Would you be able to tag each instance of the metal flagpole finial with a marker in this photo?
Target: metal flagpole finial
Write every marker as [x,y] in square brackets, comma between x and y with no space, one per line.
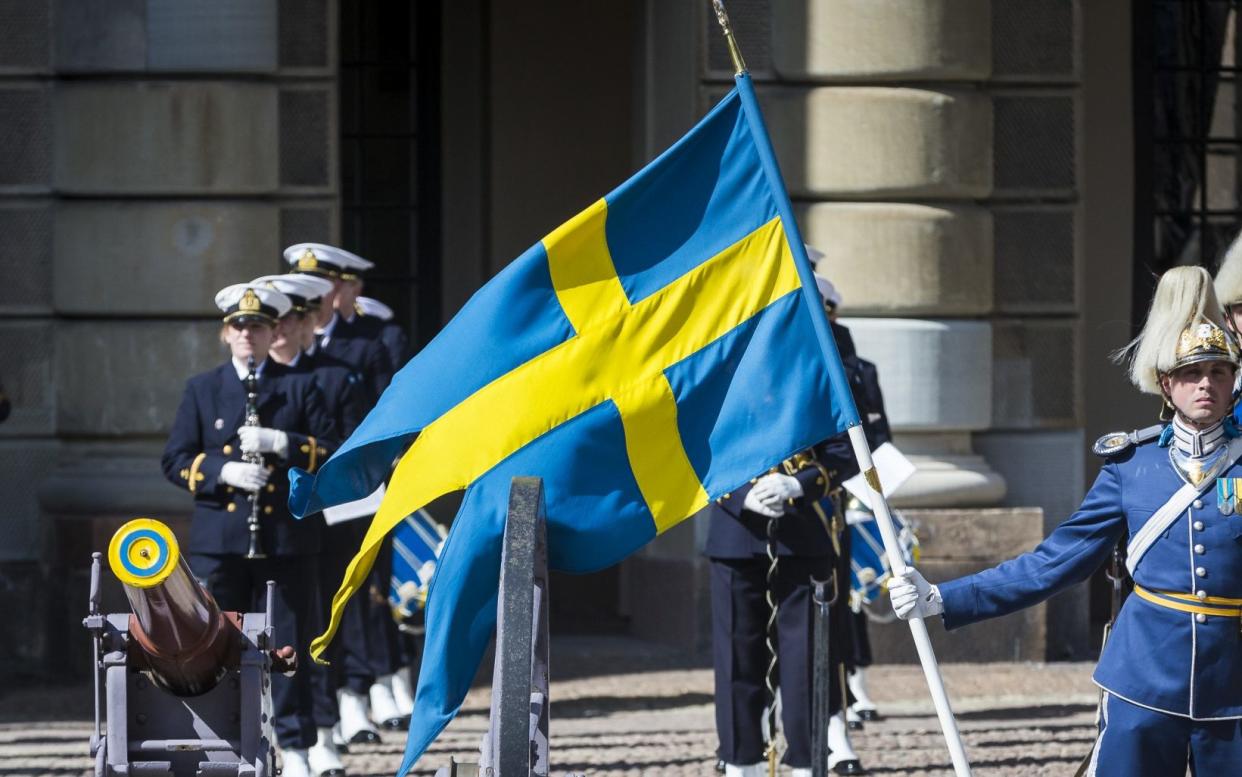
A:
[722,16]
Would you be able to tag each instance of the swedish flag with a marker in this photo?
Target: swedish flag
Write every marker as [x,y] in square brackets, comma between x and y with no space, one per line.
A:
[654,352]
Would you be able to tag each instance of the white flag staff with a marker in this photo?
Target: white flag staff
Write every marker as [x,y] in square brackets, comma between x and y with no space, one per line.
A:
[899,568]
[883,516]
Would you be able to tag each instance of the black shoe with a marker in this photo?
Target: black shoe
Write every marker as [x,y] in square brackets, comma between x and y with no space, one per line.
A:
[720,766]
[849,767]
[870,716]
[396,724]
[855,725]
[364,737]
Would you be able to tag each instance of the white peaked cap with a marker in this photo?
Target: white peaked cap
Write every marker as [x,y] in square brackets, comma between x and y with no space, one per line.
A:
[369,306]
[247,300]
[296,285]
[323,259]
[827,291]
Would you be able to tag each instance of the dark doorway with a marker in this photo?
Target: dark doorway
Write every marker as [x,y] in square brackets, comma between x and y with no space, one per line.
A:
[1187,137]
[390,152]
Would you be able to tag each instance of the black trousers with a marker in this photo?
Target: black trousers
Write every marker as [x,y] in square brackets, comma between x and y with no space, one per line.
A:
[366,645]
[739,628]
[239,584]
[860,640]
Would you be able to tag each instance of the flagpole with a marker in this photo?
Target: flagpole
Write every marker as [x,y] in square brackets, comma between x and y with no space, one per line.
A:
[918,628]
[858,439]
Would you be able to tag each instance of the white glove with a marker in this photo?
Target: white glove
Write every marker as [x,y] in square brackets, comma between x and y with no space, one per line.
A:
[769,494]
[247,477]
[258,439]
[912,595]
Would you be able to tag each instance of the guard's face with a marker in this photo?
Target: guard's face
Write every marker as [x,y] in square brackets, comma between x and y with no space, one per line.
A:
[249,338]
[1201,392]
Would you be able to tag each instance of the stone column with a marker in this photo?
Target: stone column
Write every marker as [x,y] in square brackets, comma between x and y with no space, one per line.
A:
[886,139]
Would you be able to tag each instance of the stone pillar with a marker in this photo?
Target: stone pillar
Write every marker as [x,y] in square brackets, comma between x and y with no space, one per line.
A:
[891,168]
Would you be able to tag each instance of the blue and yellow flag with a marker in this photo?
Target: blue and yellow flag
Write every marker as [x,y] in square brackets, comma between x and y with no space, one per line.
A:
[651,354]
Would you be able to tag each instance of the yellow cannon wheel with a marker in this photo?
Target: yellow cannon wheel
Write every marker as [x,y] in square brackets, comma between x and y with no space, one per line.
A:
[143,553]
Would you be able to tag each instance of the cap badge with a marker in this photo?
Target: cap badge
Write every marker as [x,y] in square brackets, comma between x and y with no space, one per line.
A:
[308,261]
[249,302]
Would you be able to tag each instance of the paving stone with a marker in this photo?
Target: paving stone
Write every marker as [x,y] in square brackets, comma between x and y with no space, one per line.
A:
[624,707]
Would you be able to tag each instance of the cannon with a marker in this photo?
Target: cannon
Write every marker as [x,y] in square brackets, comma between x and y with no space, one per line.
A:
[181,687]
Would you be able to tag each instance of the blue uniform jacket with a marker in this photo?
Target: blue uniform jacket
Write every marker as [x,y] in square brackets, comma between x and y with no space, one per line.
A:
[204,437]
[737,533]
[353,343]
[1155,657]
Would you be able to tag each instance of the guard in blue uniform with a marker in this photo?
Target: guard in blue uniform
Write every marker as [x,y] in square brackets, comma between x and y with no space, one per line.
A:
[1171,670]
[368,634]
[343,389]
[204,455]
[805,544]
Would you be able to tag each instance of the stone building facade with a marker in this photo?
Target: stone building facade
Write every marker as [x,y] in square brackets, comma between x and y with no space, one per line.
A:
[966,165]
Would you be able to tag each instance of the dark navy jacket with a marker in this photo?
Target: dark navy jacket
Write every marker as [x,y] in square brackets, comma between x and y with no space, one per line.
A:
[737,533]
[1155,657]
[204,437]
[344,389]
[351,343]
[387,334]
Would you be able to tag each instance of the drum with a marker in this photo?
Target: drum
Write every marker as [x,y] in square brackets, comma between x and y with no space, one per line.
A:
[869,570]
[416,544]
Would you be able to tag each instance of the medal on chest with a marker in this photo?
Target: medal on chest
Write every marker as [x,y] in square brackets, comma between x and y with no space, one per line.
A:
[1229,495]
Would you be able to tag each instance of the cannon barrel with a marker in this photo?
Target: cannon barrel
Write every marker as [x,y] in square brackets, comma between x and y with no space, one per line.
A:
[185,641]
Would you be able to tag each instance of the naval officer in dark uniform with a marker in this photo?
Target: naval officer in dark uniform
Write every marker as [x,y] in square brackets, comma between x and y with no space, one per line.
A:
[806,540]
[338,330]
[864,383]
[343,389]
[376,319]
[204,456]
[1171,669]
[369,637]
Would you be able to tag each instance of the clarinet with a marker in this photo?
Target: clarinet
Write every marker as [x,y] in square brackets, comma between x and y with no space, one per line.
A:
[252,419]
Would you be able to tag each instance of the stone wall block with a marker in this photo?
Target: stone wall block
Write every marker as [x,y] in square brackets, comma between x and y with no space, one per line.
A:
[165,137]
[25,138]
[904,259]
[126,377]
[882,39]
[878,141]
[936,375]
[211,35]
[183,252]
[26,257]
[1034,373]
[28,376]
[23,463]
[92,36]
